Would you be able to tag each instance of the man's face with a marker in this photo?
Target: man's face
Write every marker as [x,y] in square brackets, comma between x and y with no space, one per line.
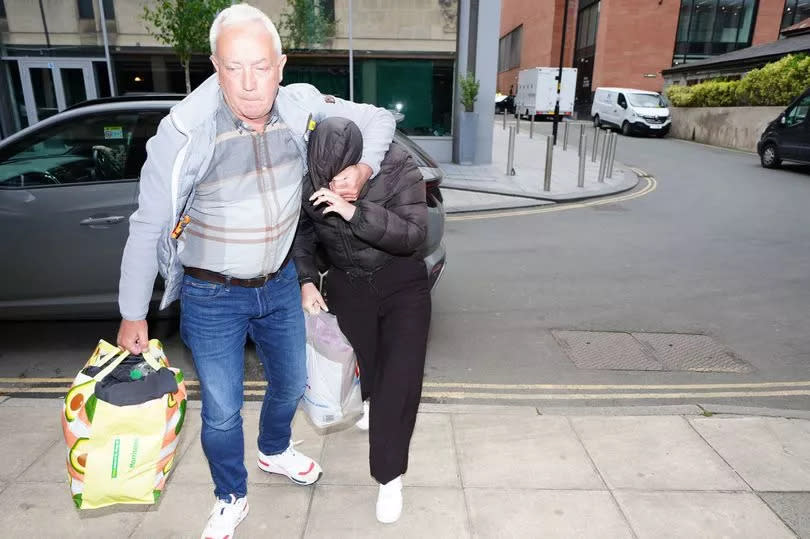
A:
[249,69]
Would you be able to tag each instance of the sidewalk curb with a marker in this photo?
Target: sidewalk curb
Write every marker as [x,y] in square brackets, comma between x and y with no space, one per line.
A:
[623,187]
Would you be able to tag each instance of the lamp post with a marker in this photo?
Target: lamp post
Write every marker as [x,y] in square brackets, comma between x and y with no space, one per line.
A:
[559,74]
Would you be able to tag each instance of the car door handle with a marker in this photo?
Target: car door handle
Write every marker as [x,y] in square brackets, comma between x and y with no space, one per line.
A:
[106,220]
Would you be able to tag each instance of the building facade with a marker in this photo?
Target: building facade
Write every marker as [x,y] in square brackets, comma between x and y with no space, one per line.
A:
[628,43]
[53,56]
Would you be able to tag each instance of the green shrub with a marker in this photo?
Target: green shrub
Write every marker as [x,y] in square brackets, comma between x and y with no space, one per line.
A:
[775,84]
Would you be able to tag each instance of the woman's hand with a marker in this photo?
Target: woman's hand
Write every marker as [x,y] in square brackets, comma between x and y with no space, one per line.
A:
[311,299]
[335,203]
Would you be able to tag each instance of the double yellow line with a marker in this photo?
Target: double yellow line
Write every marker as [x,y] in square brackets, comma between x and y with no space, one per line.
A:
[455,391]
[650,185]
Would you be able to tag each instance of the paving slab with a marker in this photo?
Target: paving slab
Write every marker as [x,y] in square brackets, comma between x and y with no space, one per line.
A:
[348,511]
[730,409]
[676,515]
[655,453]
[193,466]
[514,513]
[46,510]
[666,409]
[769,453]
[433,408]
[275,511]
[432,459]
[522,452]
[793,508]
[28,432]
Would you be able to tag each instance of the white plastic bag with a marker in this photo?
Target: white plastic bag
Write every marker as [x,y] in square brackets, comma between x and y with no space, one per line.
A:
[333,393]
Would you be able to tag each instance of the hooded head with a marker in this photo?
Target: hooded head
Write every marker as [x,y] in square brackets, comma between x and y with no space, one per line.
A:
[335,144]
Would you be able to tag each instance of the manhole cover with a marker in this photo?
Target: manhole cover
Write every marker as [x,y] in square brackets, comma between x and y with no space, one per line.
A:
[605,350]
[683,352]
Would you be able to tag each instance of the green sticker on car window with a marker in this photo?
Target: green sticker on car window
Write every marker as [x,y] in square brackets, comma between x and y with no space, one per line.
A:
[113,133]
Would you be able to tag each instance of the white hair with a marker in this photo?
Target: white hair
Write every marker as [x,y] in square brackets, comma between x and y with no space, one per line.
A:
[240,14]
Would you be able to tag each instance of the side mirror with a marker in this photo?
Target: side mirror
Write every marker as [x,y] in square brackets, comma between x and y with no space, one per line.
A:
[782,119]
[623,105]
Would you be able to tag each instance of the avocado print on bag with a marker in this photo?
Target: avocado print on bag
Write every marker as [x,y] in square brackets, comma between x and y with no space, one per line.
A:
[122,419]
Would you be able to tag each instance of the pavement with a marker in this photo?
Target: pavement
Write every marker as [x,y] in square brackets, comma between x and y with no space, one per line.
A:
[475,471]
[470,188]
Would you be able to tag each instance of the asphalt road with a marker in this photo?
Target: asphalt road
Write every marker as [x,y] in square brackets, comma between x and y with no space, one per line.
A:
[720,247]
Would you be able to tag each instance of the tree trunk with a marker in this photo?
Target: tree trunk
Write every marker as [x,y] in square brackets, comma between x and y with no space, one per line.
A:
[186,69]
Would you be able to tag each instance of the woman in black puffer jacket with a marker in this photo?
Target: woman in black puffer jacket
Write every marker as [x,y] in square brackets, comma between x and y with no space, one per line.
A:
[377,287]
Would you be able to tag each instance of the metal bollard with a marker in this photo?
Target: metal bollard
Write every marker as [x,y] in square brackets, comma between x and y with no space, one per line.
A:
[597,136]
[510,155]
[612,156]
[549,159]
[583,155]
[517,124]
[565,136]
[531,127]
[600,177]
[504,118]
[580,149]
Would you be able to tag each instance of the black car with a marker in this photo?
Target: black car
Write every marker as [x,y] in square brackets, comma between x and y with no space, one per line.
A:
[787,138]
[507,104]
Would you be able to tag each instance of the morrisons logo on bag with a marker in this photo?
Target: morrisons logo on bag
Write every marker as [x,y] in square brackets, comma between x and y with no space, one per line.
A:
[116,454]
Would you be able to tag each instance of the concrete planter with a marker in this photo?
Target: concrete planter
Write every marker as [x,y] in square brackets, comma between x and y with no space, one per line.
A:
[467,135]
[728,127]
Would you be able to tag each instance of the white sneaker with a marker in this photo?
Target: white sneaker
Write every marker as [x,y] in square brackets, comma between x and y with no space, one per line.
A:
[225,517]
[298,467]
[362,423]
[389,501]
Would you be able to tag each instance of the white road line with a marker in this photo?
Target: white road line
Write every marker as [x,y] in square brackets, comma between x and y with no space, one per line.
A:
[611,396]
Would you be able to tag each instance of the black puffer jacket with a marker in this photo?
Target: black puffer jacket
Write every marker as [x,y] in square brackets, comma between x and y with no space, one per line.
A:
[391,216]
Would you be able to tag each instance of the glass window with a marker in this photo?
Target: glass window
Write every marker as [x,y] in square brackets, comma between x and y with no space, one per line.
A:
[91,149]
[622,101]
[795,12]
[798,113]
[710,27]
[650,101]
[509,49]
[86,10]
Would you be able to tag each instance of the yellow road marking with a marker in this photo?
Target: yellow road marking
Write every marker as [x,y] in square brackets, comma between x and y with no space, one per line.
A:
[652,184]
[610,396]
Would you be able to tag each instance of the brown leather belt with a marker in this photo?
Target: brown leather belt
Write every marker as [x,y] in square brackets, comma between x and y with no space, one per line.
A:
[218,278]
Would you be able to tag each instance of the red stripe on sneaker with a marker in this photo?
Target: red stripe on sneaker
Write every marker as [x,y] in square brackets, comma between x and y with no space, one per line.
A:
[311,466]
[264,463]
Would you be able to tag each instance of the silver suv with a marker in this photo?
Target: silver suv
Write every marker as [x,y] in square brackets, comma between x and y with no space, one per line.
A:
[68,185]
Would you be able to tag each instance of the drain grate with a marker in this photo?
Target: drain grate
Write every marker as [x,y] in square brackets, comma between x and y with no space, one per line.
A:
[605,350]
[683,352]
[614,350]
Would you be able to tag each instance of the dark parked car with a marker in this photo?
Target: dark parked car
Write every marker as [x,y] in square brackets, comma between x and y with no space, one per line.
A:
[68,185]
[787,138]
[505,104]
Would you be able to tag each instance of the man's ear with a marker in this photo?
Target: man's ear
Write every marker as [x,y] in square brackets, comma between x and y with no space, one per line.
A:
[214,61]
[282,61]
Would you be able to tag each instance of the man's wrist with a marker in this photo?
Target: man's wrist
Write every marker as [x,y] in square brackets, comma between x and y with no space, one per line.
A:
[365,170]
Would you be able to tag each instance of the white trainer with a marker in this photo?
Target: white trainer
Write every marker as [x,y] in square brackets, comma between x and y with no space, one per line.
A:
[362,423]
[225,517]
[298,467]
[389,501]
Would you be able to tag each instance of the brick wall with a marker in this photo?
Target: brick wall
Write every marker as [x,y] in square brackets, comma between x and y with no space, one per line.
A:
[635,38]
[769,18]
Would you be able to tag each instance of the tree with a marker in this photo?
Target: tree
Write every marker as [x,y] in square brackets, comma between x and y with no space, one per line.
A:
[184,26]
[306,25]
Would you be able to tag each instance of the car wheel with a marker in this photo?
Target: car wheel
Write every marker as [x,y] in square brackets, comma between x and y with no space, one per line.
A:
[597,122]
[770,156]
[626,129]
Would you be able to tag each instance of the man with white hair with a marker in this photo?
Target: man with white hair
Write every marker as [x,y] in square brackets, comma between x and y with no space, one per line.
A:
[220,196]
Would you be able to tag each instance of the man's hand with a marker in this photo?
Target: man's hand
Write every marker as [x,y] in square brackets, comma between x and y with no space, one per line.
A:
[334,203]
[311,299]
[133,335]
[350,181]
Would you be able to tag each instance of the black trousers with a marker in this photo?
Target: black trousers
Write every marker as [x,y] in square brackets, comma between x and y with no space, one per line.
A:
[386,318]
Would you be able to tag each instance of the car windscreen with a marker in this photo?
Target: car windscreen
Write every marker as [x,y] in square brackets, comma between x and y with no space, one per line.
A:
[647,101]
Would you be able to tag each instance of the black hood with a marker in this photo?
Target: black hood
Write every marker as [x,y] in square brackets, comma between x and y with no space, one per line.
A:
[336,143]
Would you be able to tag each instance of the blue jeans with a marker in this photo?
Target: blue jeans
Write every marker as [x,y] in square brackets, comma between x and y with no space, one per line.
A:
[214,323]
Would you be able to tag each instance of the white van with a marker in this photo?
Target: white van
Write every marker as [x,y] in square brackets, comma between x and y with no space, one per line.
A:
[632,111]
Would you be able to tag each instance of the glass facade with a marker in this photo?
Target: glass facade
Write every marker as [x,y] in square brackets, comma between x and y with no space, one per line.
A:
[795,12]
[710,27]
